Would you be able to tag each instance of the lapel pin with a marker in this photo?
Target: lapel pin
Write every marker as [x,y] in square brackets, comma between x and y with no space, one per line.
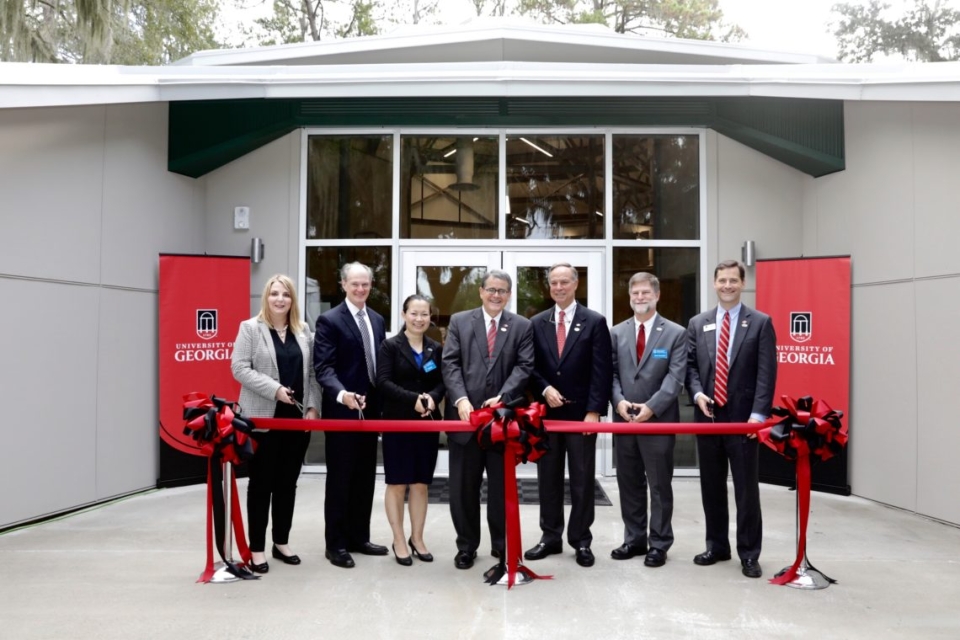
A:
[503,328]
[659,328]
[744,324]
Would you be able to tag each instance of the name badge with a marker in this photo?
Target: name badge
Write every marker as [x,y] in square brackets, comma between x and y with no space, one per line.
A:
[660,354]
[430,366]
[710,327]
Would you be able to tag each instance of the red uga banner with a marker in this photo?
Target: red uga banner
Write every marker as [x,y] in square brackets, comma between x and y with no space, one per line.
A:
[203,300]
[809,302]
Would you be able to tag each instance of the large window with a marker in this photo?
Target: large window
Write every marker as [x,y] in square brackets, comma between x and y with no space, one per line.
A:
[656,187]
[349,187]
[554,187]
[633,200]
[448,187]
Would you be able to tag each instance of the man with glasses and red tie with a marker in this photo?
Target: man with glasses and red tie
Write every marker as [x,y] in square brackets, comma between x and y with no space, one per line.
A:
[487,359]
[731,376]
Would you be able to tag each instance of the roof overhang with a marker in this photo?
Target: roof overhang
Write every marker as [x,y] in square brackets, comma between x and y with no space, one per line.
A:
[39,85]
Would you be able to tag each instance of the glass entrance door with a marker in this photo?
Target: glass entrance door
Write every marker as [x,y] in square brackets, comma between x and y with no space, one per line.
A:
[451,279]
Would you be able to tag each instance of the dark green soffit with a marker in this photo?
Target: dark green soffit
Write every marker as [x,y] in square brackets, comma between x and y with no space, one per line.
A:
[804,134]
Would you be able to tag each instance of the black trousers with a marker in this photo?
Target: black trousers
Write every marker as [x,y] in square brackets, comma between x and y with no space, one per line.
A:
[742,455]
[274,470]
[579,452]
[351,477]
[467,464]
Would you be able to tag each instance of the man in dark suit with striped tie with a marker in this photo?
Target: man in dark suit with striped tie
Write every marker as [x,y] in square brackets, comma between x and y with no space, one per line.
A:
[344,353]
[731,376]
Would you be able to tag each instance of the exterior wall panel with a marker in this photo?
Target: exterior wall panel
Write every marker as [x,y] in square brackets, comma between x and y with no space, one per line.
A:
[51,181]
[266,180]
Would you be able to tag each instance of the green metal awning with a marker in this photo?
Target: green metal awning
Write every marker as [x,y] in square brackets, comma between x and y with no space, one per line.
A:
[803,133]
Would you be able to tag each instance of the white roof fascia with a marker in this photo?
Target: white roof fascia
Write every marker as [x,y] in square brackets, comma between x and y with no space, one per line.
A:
[39,85]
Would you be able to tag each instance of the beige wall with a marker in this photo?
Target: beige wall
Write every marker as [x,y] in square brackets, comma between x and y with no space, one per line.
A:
[895,211]
[750,196]
[268,181]
[86,206]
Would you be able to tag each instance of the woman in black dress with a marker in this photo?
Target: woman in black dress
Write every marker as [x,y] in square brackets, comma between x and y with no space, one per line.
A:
[408,377]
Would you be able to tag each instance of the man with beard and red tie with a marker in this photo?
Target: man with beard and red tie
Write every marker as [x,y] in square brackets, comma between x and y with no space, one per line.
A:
[731,376]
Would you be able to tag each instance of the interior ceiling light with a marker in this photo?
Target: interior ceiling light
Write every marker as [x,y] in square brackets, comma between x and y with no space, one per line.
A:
[543,151]
[449,153]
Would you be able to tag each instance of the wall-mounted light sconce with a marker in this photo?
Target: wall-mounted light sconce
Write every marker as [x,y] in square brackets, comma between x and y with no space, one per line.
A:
[256,250]
[748,252]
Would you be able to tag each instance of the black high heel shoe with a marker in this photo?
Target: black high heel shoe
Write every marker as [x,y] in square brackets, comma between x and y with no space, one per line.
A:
[424,557]
[294,559]
[258,568]
[402,561]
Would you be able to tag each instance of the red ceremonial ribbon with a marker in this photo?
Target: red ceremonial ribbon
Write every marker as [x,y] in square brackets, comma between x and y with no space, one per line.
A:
[521,433]
[219,430]
[802,430]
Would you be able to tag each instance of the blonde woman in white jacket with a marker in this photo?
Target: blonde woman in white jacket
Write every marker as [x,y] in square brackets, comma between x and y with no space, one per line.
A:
[273,362]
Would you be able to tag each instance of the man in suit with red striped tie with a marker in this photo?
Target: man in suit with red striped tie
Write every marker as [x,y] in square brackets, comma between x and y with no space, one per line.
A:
[731,376]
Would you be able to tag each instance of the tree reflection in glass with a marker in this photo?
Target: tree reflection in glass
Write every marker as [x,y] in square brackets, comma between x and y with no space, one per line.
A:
[554,187]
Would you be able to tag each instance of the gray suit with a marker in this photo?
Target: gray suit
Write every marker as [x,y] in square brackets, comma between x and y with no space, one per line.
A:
[641,459]
[254,366]
[469,372]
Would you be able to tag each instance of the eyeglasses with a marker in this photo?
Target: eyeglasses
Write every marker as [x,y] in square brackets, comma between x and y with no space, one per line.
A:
[497,292]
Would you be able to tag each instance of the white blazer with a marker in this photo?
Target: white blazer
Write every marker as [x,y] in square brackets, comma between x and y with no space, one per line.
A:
[254,366]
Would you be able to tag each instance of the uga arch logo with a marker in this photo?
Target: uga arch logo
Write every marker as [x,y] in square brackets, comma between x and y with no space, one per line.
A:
[207,323]
[801,325]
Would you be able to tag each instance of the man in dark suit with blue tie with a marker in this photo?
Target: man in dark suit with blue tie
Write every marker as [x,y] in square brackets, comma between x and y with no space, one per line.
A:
[572,375]
[347,339]
[731,376]
[487,359]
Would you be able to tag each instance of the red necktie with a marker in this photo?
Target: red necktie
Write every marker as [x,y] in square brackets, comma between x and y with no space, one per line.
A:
[641,344]
[561,334]
[723,366]
[491,337]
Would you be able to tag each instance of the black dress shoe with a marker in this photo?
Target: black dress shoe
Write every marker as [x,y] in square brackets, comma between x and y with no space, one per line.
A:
[424,557]
[406,562]
[496,553]
[627,551]
[294,559]
[542,550]
[259,568]
[585,557]
[339,558]
[708,558]
[464,560]
[655,558]
[751,568]
[370,549]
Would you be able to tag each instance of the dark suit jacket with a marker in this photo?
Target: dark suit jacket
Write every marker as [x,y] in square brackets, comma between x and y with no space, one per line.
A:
[400,381]
[753,363]
[467,371]
[659,379]
[583,373]
[339,362]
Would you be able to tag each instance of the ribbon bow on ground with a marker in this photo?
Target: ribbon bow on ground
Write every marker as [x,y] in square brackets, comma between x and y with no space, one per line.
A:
[518,433]
[223,433]
[801,430]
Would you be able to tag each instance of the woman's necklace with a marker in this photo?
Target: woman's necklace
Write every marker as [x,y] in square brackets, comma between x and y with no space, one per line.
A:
[281,332]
